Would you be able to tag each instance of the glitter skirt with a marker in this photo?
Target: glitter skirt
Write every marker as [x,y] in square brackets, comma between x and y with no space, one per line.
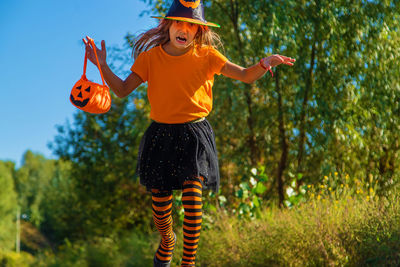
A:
[170,154]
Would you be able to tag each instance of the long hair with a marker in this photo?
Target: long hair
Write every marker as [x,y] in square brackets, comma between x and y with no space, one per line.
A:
[160,35]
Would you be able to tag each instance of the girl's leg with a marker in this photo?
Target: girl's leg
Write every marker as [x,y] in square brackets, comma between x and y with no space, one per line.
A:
[162,206]
[192,204]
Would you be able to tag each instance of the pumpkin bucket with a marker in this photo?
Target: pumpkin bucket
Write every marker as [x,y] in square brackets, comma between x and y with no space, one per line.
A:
[89,96]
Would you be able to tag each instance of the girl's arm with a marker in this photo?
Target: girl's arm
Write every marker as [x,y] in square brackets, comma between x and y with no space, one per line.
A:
[255,72]
[119,87]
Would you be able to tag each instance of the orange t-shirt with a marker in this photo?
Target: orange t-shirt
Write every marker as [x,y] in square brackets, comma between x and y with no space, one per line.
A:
[179,87]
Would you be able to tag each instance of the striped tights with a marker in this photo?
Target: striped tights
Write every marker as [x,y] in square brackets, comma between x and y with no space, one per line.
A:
[192,204]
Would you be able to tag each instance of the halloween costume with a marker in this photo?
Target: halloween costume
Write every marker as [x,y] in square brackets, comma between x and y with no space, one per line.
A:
[179,90]
[178,149]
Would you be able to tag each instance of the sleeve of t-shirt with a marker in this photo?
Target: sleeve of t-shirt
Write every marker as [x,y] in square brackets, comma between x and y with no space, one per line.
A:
[141,66]
[217,61]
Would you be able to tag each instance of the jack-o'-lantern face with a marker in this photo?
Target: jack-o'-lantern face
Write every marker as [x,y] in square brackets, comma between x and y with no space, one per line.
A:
[90,97]
[79,96]
[193,4]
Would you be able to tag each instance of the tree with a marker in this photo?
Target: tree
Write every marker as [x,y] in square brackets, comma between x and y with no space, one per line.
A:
[31,181]
[8,206]
[335,110]
[58,207]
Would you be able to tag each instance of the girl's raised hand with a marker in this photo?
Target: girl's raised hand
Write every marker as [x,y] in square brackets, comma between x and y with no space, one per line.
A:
[101,54]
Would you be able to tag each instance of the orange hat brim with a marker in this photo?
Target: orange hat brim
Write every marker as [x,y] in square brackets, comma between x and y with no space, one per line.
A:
[194,21]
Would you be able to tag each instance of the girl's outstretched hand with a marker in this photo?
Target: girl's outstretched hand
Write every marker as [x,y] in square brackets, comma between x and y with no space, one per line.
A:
[275,60]
[101,54]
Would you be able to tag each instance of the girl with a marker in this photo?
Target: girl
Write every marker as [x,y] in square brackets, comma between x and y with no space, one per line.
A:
[178,60]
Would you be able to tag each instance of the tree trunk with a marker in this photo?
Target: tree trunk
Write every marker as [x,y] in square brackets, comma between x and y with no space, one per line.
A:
[254,151]
[302,128]
[283,143]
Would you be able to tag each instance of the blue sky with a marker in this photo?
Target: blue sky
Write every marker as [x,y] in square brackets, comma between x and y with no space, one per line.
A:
[41,57]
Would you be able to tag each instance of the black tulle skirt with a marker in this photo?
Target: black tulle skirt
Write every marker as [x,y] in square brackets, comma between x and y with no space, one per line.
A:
[170,154]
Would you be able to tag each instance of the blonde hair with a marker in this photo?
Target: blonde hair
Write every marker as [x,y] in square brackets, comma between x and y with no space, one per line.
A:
[160,35]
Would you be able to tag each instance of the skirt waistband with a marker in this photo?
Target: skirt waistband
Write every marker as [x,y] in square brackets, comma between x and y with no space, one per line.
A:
[197,120]
[194,121]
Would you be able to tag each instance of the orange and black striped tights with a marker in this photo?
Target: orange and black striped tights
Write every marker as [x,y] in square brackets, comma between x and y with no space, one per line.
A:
[192,204]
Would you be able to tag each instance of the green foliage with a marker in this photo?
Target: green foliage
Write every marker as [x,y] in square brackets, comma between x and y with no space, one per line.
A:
[129,249]
[31,180]
[339,186]
[346,232]
[59,202]
[249,195]
[339,107]
[14,259]
[295,194]
[102,150]
[336,109]
[8,206]
[46,196]
[329,231]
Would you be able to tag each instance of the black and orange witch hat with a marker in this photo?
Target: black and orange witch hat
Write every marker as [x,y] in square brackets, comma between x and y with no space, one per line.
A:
[190,11]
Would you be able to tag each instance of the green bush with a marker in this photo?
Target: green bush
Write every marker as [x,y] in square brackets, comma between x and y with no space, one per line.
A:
[133,249]
[14,259]
[351,231]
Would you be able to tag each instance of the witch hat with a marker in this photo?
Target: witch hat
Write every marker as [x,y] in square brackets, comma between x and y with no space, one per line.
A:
[190,11]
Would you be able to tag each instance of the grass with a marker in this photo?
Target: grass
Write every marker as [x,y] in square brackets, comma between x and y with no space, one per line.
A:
[321,232]
[348,232]
[338,223]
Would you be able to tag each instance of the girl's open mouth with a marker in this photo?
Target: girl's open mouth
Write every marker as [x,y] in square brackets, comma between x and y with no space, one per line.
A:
[181,40]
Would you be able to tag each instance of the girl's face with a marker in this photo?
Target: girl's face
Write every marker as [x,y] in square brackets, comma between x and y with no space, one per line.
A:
[181,34]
